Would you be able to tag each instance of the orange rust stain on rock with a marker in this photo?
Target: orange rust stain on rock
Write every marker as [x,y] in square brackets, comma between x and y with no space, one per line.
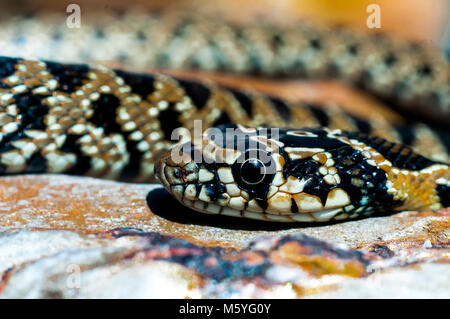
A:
[436,213]
[5,278]
[319,265]
[90,206]
[35,204]
[307,291]
[439,231]
[17,191]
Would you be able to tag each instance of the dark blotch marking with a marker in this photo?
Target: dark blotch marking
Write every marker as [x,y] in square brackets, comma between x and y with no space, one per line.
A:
[7,68]
[140,84]
[333,70]
[316,44]
[132,169]
[294,207]
[69,76]
[282,108]
[262,203]
[425,70]
[365,80]
[32,115]
[351,165]
[443,192]
[319,114]
[169,121]
[444,136]
[435,97]
[302,168]
[255,62]
[244,101]
[82,165]
[57,36]
[36,164]
[324,142]
[362,125]
[32,110]
[407,135]
[105,113]
[5,144]
[99,34]
[182,27]
[141,36]
[222,119]
[277,40]
[399,155]
[215,190]
[298,67]
[122,57]
[390,59]
[308,169]
[353,49]
[198,92]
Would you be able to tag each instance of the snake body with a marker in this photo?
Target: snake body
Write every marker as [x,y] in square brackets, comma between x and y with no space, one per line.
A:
[410,76]
[96,121]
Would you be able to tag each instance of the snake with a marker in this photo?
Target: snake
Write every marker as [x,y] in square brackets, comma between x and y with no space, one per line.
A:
[259,157]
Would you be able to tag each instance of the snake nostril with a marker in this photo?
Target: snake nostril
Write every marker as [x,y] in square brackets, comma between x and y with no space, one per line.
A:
[181,175]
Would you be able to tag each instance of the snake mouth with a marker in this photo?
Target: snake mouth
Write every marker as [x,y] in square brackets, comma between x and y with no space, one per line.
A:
[159,171]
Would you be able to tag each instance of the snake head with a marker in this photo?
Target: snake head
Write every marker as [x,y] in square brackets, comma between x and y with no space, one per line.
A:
[281,175]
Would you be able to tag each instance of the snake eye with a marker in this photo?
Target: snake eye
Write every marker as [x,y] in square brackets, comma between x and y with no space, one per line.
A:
[253,171]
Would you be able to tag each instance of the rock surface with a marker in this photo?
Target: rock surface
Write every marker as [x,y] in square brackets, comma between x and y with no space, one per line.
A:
[75,237]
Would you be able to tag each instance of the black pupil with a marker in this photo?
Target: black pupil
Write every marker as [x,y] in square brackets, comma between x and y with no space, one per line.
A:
[252,171]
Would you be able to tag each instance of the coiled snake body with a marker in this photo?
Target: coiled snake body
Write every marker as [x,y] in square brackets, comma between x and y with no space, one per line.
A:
[86,120]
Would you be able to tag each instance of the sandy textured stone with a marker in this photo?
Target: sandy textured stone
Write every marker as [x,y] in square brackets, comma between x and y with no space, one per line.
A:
[57,231]
[423,281]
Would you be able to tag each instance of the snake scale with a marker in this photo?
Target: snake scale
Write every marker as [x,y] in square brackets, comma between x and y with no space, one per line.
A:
[320,163]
